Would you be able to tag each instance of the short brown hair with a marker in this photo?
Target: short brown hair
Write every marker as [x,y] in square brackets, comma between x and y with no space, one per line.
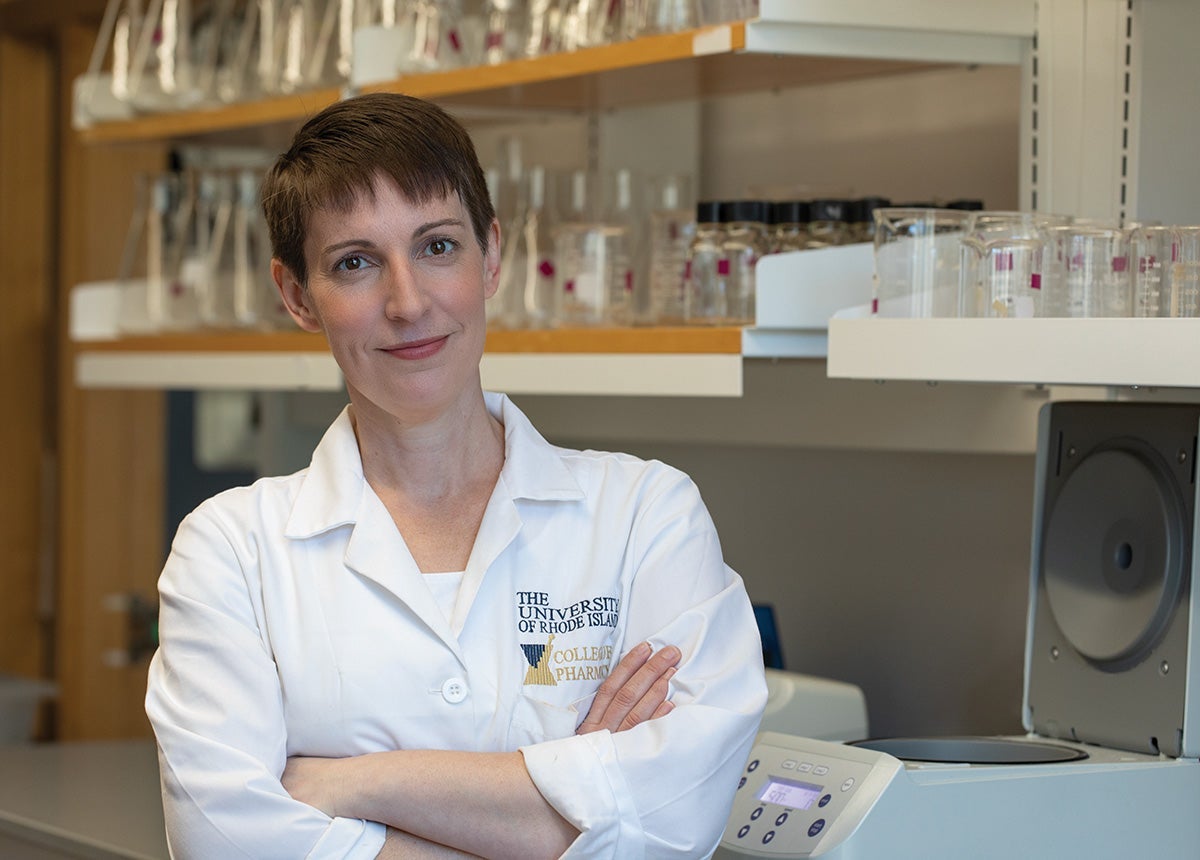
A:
[337,155]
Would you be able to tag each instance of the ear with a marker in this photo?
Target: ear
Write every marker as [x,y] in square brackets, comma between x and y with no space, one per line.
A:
[491,261]
[294,296]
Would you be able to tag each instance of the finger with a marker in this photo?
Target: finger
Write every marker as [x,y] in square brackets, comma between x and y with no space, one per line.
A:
[631,693]
[648,705]
[651,673]
[617,678]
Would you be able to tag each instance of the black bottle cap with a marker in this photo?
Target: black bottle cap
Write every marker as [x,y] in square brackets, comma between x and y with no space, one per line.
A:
[967,205]
[862,211]
[788,212]
[708,212]
[742,210]
[829,210]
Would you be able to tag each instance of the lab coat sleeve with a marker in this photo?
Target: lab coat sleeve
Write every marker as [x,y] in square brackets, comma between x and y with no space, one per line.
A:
[214,700]
[665,788]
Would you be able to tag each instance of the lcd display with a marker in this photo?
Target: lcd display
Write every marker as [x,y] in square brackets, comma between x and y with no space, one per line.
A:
[789,793]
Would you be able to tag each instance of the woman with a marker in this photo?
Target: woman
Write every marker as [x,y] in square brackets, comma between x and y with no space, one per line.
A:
[414,646]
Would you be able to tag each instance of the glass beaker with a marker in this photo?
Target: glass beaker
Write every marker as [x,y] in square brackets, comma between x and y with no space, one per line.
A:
[1185,272]
[214,208]
[526,294]
[1001,265]
[917,261]
[504,28]
[543,28]
[593,273]
[672,225]
[646,17]
[1087,271]
[1151,251]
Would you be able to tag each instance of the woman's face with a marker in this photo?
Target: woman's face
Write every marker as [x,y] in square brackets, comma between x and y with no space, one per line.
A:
[399,290]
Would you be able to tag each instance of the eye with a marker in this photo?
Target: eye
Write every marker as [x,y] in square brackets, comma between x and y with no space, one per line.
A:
[440,247]
[350,263]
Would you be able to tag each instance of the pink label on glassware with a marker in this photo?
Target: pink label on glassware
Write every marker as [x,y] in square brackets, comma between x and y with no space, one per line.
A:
[1145,264]
[569,286]
[875,306]
[723,266]
[1035,281]
[494,40]
[628,281]
[687,270]
[1004,262]
[1120,264]
[546,269]
[455,42]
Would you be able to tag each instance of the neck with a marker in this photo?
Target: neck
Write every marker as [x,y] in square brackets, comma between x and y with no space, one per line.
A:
[431,459]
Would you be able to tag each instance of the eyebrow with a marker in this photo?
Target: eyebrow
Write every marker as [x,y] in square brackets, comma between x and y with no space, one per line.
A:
[417,233]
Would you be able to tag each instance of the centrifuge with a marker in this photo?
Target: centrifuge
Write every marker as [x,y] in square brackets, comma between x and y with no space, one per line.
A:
[1108,765]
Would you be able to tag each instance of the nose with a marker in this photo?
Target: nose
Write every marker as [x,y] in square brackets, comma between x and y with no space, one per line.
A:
[406,298]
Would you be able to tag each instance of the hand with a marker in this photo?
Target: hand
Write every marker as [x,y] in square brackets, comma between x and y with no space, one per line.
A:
[316,781]
[635,691]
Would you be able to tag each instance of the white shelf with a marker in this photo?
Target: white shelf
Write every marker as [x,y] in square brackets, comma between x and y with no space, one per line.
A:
[797,294]
[1107,352]
[276,371]
[698,375]
[943,31]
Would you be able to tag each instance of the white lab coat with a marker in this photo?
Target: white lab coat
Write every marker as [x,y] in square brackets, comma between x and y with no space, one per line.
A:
[294,621]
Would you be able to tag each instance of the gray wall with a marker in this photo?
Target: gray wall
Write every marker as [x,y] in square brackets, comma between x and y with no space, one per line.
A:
[903,573]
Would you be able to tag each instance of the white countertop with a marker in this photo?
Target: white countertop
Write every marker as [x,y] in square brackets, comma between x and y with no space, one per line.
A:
[98,800]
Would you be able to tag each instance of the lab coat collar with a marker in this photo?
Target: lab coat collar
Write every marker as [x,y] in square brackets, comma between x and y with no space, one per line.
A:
[331,493]
[533,468]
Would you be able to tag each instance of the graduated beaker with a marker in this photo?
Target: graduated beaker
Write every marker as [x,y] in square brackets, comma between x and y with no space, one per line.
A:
[917,261]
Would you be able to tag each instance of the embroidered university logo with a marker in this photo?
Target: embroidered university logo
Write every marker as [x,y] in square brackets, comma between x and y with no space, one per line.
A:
[538,658]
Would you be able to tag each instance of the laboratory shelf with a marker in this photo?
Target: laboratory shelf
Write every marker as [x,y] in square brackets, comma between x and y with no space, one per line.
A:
[789,44]
[683,361]
[1087,352]
[797,294]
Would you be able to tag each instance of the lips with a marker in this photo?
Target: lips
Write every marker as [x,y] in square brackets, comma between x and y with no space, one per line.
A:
[417,349]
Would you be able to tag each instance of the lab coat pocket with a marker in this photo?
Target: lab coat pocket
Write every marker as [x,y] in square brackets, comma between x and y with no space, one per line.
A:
[535,720]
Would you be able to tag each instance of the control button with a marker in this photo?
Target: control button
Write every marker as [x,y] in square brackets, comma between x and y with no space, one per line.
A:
[756,814]
[745,829]
[820,770]
[848,784]
[781,819]
[817,827]
[768,836]
[753,766]
[741,782]
[790,764]
[454,690]
[824,801]
[804,766]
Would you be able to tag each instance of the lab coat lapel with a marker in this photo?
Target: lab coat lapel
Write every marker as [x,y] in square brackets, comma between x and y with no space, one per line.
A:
[500,525]
[533,470]
[376,551]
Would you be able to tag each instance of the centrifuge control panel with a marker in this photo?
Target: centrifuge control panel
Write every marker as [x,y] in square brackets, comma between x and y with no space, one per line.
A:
[791,793]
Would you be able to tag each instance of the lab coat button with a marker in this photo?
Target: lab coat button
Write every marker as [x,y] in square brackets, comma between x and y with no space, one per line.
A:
[454,690]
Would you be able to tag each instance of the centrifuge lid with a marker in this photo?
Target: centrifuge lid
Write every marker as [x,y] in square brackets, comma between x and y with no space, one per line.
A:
[1107,647]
